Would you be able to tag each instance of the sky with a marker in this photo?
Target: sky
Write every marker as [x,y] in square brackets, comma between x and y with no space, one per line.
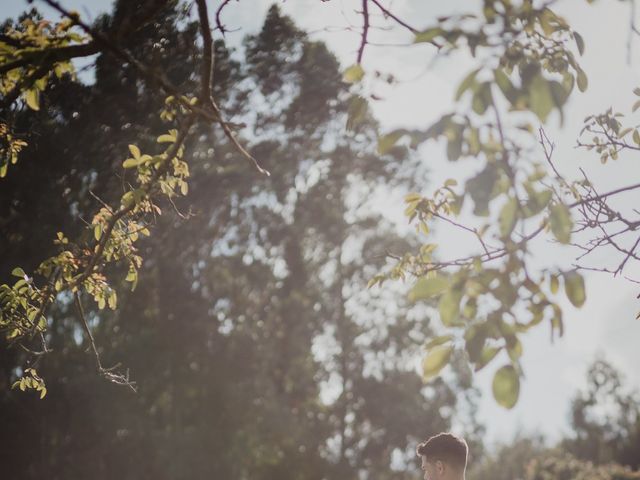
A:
[606,324]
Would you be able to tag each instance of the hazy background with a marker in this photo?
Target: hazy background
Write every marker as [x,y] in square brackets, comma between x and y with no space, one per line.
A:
[605,324]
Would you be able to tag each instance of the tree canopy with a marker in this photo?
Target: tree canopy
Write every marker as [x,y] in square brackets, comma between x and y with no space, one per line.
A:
[197,223]
[283,154]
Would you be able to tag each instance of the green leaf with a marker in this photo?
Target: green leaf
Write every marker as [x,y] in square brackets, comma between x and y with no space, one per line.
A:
[508,217]
[561,223]
[554,283]
[356,112]
[428,35]
[466,83]
[506,386]
[482,98]
[454,146]
[540,98]
[488,353]
[112,301]
[636,137]
[386,142]
[449,307]
[412,197]
[135,151]
[480,188]
[579,42]
[574,288]
[166,138]
[435,341]
[559,94]
[514,348]
[582,80]
[97,231]
[435,360]
[131,162]
[537,201]
[18,272]
[353,74]
[32,97]
[505,85]
[428,287]
[127,199]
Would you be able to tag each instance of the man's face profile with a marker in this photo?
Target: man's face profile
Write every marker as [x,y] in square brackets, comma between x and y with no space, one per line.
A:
[430,470]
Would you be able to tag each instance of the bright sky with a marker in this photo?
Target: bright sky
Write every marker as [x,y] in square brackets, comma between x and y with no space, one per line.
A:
[606,323]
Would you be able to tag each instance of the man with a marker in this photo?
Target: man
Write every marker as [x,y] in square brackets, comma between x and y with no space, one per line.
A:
[444,457]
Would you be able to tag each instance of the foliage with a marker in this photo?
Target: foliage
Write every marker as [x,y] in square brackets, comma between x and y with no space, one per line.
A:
[246,280]
[563,466]
[605,419]
[601,442]
[527,68]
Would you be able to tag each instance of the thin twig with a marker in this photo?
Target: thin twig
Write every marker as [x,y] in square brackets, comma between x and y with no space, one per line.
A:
[365,28]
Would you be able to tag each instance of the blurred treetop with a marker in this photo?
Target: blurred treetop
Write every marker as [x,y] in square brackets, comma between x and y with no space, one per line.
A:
[527,67]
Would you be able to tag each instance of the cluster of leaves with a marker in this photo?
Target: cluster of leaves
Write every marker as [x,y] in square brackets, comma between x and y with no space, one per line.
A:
[222,329]
[109,241]
[10,146]
[608,136]
[31,380]
[29,56]
[487,300]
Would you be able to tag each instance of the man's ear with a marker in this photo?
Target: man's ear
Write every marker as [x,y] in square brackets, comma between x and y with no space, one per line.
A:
[439,467]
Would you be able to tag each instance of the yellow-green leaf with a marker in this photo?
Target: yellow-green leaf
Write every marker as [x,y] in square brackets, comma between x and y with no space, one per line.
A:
[166,138]
[435,360]
[113,300]
[466,83]
[387,141]
[428,287]
[508,217]
[574,288]
[554,284]
[130,163]
[486,355]
[561,223]
[135,151]
[449,307]
[540,97]
[435,341]
[582,80]
[353,74]
[32,97]
[18,272]
[506,386]
[579,42]
[428,35]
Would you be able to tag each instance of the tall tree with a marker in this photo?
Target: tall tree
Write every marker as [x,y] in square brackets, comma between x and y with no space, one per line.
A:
[256,349]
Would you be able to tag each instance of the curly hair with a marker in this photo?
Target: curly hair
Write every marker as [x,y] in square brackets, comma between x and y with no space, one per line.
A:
[446,447]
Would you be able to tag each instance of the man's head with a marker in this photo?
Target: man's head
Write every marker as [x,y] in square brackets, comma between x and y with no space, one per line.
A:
[444,457]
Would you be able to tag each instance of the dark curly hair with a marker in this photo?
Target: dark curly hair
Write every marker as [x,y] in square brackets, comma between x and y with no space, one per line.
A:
[446,447]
